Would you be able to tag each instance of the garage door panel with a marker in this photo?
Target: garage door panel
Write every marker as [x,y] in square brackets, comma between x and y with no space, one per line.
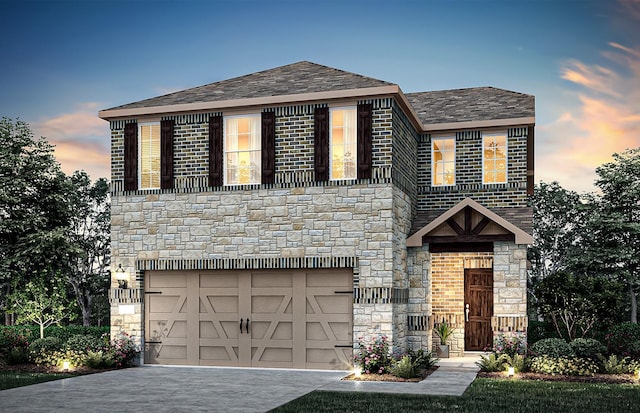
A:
[174,279]
[297,318]
[218,354]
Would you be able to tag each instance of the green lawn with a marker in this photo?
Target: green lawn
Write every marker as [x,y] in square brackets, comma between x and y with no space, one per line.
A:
[484,395]
[11,379]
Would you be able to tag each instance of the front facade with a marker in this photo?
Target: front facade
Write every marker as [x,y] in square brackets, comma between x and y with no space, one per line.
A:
[278,218]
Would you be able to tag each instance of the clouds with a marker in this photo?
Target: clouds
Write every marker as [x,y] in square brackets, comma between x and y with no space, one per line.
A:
[606,119]
[81,139]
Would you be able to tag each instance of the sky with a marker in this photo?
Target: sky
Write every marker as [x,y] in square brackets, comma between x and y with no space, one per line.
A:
[63,61]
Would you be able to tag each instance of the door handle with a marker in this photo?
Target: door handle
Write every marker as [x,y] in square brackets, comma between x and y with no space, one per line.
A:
[241,326]
[246,326]
[466,312]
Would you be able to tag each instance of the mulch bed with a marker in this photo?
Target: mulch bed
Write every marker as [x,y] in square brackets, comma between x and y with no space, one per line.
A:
[32,368]
[390,377]
[598,378]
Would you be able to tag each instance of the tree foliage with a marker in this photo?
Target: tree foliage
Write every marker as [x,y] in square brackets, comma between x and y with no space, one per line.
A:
[51,225]
[43,301]
[576,304]
[89,237]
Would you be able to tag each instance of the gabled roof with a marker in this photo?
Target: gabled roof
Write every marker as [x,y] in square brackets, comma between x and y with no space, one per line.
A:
[470,105]
[307,82]
[521,237]
[296,78]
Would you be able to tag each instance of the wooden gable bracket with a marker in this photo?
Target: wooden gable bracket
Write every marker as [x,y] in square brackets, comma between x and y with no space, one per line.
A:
[457,226]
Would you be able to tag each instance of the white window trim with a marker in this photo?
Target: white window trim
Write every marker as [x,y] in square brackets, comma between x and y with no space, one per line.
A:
[224,144]
[455,166]
[506,156]
[140,125]
[331,109]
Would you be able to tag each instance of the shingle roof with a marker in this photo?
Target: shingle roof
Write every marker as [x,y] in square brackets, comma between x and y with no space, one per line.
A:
[295,78]
[473,104]
[520,217]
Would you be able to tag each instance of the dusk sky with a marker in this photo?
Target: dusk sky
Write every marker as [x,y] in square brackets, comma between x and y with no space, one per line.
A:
[63,61]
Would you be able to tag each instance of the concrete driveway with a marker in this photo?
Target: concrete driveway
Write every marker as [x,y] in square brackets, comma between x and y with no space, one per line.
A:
[168,389]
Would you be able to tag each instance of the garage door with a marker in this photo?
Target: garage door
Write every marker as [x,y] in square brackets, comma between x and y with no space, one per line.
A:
[294,319]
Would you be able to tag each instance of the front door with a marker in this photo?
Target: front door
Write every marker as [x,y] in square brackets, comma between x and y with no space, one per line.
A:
[478,307]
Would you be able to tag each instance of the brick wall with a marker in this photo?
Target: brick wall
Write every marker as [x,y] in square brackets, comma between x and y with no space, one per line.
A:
[469,173]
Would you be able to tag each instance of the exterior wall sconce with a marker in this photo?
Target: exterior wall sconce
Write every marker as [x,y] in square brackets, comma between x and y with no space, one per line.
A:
[122,276]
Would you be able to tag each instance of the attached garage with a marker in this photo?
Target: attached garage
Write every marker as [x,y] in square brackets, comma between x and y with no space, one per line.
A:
[266,318]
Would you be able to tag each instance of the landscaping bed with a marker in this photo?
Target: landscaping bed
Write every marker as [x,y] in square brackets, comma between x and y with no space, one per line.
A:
[390,377]
[596,378]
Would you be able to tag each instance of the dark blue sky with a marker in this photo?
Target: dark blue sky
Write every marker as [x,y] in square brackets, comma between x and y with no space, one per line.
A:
[65,60]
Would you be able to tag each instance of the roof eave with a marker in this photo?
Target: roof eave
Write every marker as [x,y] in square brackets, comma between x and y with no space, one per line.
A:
[476,124]
[112,114]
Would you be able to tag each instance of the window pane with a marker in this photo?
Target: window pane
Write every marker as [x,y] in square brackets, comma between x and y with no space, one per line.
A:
[443,161]
[242,150]
[149,155]
[495,158]
[343,143]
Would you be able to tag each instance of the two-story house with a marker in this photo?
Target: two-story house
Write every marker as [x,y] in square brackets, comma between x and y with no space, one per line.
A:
[277,218]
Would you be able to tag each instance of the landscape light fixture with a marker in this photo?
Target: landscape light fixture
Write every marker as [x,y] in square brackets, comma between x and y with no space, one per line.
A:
[122,277]
[511,371]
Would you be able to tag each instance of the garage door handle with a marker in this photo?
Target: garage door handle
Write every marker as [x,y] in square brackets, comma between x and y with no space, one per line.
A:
[246,326]
[241,325]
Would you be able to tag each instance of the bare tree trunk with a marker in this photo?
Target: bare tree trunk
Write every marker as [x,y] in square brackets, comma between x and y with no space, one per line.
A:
[634,304]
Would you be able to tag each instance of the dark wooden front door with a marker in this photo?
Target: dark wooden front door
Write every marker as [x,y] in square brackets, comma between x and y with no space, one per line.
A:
[478,306]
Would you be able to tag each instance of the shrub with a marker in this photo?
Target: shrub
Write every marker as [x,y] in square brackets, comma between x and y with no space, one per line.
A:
[624,339]
[42,349]
[518,362]
[510,345]
[572,366]
[587,348]
[554,347]
[85,343]
[11,339]
[98,360]
[537,330]
[374,358]
[444,331]
[615,364]
[123,350]
[16,355]
[422,360]
[403,368]
[493,362]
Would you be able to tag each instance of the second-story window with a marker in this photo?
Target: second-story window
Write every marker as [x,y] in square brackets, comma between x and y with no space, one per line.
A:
[343,144]
[149,134]
[242,157]
[443,161]
[494,158]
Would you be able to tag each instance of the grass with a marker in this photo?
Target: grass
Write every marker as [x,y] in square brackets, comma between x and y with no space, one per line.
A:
[11,379]
[484,395]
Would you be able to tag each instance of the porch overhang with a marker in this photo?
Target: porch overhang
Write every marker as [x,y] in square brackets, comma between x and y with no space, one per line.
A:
[468,231]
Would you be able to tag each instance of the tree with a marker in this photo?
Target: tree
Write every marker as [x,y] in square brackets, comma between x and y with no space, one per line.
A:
[89,235]
[576,304]
[33,208]
[556,231]
[613,245]
[43,301]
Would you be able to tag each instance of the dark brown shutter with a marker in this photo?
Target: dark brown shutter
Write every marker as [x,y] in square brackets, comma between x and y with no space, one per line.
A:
[215,151]
[131,156]
[268,147]
[166,154]
[530,160]
[321,144]
[365,117]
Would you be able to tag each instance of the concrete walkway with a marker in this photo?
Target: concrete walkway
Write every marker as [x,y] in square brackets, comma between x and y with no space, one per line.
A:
[200,389]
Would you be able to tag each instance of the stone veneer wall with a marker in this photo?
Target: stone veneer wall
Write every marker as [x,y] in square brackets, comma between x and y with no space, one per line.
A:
[513,194]
[419,302]
[299,222]
[401,226]
[510,287]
